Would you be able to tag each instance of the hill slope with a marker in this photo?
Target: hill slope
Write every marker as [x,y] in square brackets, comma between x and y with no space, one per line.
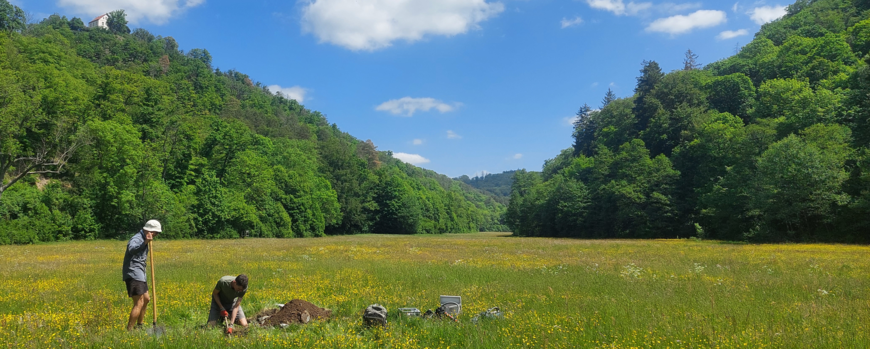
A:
[770,144]
[498,184]
[150,131]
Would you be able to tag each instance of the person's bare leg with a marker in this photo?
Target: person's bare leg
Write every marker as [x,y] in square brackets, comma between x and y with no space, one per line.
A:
[144,309]
[135,313]
[243,322]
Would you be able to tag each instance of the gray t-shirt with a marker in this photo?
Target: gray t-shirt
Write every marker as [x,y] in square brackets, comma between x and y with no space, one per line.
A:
[227,294]
[134,258]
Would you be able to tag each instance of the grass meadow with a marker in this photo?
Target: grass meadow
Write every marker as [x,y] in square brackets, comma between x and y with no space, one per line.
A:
[555,293]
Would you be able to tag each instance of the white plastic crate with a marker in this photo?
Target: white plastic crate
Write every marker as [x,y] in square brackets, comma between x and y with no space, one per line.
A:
[410,311]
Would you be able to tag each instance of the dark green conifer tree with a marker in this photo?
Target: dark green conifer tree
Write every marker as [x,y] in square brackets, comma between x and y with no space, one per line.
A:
[691,61]
[645,106]
[584,131]
[608,97]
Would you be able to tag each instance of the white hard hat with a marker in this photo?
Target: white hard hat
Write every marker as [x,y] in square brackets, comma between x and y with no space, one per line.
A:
[152,225]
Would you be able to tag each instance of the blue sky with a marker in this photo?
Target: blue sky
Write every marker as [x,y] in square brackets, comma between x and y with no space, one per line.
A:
[456,86]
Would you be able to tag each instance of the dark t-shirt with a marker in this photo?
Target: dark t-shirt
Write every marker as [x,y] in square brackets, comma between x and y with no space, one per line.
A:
[227,294]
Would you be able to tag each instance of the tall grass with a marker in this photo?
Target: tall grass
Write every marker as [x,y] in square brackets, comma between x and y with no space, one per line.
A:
[556,293]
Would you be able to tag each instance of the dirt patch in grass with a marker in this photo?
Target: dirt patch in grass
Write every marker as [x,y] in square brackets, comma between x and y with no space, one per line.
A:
[292,313]
[238,331]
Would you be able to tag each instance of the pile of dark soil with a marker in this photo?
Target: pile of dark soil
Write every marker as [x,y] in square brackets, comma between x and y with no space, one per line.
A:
[294,312]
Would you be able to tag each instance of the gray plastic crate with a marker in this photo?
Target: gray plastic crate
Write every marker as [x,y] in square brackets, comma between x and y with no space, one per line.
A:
[451,304]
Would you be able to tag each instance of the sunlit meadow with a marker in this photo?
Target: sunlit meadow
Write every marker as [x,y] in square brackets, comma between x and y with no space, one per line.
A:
[555,293]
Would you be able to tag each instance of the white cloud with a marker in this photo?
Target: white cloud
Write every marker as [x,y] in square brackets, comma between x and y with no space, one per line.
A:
[615,6]
[518,156]
[294,92]
[453,135]
[595,84]
[670,7]
[418,141]
[735,7]
[376,24]
[681,24]
[407,106]
[155,11]
[634,9]
[766,14]
[730,34]
[413,159]
[618,7]
[571,22]
[569,120]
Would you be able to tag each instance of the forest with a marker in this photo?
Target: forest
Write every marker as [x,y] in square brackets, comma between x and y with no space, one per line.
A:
[498,184]
[770,144]
[103,129]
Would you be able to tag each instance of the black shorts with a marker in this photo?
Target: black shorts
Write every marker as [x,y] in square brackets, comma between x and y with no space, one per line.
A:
[135,287]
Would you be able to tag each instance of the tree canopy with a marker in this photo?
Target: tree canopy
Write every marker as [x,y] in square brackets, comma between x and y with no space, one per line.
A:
[768,145]
[101,130]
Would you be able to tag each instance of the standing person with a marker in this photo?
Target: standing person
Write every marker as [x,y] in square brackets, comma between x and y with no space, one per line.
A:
[133,272]
[227,294]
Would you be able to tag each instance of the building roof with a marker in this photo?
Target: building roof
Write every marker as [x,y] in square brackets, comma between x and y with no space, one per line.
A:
[100,16]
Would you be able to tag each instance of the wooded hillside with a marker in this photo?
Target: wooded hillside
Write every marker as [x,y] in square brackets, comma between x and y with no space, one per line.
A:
[498,184]
[101,130]
[768,145]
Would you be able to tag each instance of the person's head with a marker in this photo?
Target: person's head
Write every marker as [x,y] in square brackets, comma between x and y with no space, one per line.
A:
[240,284]
[153,227]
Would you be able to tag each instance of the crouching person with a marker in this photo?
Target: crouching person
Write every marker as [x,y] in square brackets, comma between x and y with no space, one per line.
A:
[226,300]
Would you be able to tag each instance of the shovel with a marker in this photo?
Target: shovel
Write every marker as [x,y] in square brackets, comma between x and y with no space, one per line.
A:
[154,330]
[228,327]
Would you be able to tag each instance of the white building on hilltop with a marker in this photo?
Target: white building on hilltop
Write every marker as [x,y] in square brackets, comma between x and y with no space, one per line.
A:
[101,21]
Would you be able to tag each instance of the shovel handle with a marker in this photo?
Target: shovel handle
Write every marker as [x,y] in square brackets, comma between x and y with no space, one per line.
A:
[153,282]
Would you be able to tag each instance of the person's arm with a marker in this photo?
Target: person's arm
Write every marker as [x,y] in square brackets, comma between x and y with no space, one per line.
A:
[136,244]
[236,308]
[217,299]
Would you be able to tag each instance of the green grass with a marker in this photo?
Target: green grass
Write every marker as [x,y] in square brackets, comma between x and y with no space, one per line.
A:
[556,293]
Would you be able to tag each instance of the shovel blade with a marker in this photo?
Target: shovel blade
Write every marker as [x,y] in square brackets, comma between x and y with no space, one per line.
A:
[156,331]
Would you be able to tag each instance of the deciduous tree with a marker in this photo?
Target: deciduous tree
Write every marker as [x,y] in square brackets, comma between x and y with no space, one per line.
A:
[117,22]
